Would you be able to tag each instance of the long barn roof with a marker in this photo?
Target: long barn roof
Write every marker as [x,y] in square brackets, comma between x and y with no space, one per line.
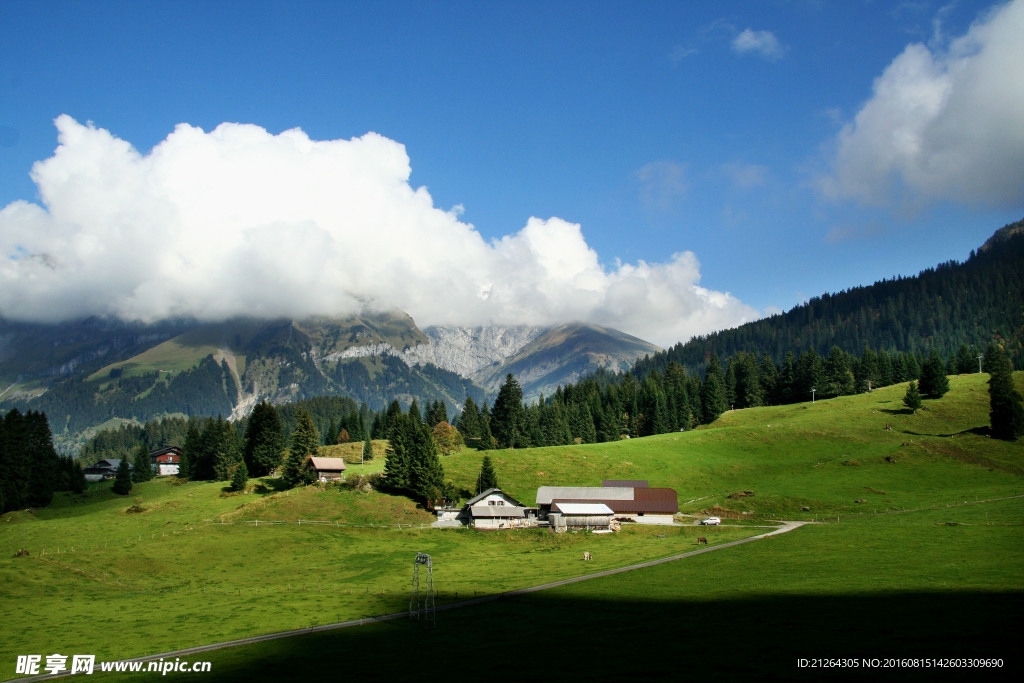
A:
[621,500]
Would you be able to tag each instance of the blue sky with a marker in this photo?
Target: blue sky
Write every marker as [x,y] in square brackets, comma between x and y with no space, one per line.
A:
[764,137]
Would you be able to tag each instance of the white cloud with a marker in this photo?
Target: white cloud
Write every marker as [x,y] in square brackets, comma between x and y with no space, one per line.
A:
[760,43]
[942,123]
[238,221]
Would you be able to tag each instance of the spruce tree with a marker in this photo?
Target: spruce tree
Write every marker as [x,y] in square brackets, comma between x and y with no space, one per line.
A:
[398,455]
[123,479]
[143,465]
[1006,407]
[934,382]
[508,416]
[488,478]
[912,399]
[264,440]
[712,392]
[240,477]
[190,450]
[426,475]
[305,443]
[367,448]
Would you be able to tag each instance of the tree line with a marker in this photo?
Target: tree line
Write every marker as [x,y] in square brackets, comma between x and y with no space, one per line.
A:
[31,471]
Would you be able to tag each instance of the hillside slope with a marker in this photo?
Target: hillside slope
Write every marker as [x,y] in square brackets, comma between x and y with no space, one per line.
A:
[942,307]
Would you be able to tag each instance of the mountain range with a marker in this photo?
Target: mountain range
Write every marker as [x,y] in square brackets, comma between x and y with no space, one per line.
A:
[86,373]
[93,372]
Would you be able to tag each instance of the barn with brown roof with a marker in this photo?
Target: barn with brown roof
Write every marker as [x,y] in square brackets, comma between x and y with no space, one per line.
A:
[635,501]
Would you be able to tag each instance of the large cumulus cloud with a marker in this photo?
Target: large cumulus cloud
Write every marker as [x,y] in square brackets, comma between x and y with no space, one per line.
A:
[238,221]
[944,122]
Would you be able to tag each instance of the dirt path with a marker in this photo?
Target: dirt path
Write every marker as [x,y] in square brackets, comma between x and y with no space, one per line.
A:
[786,526]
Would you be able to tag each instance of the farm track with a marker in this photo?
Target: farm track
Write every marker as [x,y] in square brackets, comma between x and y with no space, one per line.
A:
[786,527]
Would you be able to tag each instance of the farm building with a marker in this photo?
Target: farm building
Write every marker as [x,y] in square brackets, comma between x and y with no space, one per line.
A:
[104,469]
[166,460]
[580,516]
[327,469]
[632,501]
[492,509]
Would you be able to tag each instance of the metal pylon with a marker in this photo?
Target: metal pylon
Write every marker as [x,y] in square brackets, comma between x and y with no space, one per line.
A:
[421,601]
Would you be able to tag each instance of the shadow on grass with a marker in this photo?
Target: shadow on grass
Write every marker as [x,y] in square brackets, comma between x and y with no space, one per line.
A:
[269,485]
[978,431]
[559,638]
[897,411]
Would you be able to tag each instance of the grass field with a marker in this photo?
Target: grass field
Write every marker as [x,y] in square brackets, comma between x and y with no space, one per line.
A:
[928,566]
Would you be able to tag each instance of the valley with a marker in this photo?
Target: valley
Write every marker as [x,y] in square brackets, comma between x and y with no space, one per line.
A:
[928,507]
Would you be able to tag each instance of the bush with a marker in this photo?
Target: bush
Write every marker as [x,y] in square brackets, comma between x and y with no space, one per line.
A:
[357,482]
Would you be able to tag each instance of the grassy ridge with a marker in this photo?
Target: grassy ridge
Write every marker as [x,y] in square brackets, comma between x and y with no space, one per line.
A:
[825,456]
[881,581]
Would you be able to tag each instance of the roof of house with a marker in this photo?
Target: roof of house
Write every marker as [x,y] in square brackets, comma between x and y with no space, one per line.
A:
[620,499]
[547,494]
[478,498]
[582,508]
[631,483]
[164,451]
[328,464]
[497,511]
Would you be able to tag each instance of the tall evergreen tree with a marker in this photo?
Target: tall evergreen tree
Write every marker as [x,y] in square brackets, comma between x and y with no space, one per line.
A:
[190,450]
[305,443]
[508,415]
[488,478]
[712,393]
[123,479]
[426,475]
[227,449]
[934,382]
[143,465]
[367,448]
[264,440]
[240,477]
[398,455]
[1006,408]
[912,399]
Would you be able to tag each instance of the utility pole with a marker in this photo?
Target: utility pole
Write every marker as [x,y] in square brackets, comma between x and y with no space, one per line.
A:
[812,394]
[980,356]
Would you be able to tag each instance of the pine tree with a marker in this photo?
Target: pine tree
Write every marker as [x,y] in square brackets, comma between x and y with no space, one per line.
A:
[240,477]
[426,475]
[143,465]
[264,440]
[367,449]
[398,455]
[305,443]
[123,479]
[508,415]
[1006,407]
[712,393]
[488,478]
[912,399]
[227,450]
[934,382]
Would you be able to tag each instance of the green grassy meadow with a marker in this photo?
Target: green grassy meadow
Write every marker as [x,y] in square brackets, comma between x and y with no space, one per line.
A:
[928,565]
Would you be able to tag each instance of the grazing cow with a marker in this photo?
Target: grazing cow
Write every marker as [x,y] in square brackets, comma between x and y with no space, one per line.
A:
[586,556]
[703,540]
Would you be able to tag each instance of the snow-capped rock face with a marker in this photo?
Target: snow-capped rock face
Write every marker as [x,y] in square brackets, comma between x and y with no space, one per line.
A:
[465,350]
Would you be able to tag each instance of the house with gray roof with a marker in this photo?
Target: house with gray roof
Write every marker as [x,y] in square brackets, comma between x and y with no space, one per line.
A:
[492,509]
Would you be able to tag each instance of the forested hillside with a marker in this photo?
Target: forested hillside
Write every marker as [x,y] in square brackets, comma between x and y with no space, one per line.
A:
[942,308]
